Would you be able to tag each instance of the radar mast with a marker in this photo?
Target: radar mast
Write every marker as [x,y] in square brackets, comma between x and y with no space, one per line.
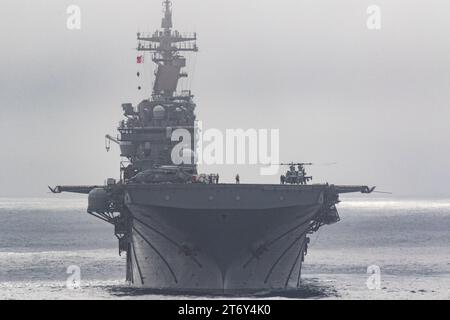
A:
[166,45]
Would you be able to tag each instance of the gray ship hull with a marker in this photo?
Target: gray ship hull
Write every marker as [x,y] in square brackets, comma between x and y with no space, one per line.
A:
[214,238]
[220,238]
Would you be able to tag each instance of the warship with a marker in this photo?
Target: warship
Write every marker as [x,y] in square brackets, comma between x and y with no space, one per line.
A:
[183,231]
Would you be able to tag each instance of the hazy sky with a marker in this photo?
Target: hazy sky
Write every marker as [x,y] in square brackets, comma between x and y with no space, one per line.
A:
[375,102]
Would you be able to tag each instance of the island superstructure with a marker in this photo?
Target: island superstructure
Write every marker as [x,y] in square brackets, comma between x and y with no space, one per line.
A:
[183,232]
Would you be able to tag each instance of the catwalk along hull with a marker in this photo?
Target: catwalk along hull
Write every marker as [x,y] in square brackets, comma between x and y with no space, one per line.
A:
[220,238]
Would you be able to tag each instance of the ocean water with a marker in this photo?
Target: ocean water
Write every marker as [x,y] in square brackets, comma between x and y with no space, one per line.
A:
[407,239]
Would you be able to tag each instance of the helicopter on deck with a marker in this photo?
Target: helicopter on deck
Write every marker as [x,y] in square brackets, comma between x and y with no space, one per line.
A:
[296,174]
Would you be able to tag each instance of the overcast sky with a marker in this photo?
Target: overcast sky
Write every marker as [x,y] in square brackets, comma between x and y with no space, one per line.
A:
[375,102]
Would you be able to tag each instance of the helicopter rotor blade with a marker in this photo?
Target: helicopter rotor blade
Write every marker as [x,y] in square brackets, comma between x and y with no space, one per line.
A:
[383,192]
[328,164]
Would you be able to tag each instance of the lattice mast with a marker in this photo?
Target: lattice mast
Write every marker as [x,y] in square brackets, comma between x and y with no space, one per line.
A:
[166,45]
